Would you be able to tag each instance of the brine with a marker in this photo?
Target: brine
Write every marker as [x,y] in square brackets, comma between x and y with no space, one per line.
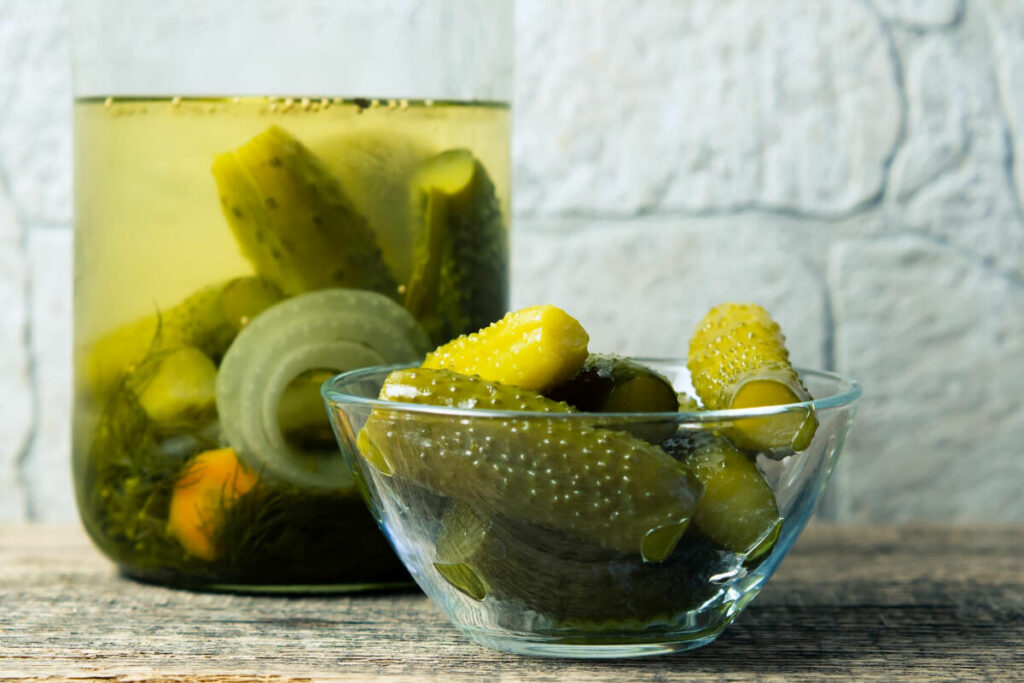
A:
[230,255]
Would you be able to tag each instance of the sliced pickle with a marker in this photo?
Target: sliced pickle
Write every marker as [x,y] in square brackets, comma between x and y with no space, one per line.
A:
[293,221]
[612,384]
[534,348]
[738,359]
[460,261]
[207,320]
[604,486]
[329,330]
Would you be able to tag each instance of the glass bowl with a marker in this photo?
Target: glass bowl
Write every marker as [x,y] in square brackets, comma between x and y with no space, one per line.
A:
[535,532]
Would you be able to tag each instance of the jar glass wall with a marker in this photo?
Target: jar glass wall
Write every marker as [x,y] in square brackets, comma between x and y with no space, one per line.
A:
[265,196]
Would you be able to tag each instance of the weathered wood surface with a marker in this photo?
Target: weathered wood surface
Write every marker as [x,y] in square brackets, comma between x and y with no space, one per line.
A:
[920,603]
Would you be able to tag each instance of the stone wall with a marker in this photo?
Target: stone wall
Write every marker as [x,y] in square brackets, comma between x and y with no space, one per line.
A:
[856,166]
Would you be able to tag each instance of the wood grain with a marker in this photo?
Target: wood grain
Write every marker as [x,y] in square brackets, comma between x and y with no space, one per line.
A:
[871,603]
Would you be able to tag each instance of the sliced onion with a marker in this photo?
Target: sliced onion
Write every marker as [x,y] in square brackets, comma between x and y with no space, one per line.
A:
[332,329]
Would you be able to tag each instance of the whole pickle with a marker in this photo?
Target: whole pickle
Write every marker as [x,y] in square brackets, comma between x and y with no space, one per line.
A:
[565,577]
[612,384]
[460,261]
[207,320]
[293,220]
[606,486]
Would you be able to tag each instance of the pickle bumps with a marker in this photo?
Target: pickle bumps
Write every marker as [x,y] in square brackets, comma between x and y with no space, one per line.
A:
[534,348]
[604,486]
[738,359]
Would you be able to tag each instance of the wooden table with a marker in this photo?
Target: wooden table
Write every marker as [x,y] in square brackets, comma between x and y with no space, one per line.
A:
[910,602]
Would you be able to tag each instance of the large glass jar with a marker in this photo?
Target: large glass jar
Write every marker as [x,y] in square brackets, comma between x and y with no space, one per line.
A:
[266,194]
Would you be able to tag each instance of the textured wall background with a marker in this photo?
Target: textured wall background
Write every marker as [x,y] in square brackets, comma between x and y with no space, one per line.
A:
[857,166]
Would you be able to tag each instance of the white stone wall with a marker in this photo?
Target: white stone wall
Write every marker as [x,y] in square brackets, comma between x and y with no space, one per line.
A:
[857,166]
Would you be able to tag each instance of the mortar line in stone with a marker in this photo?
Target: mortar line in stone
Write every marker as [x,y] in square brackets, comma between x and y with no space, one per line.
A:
[899,79]
[1010,160]
[745,208]
[24,453]
[924,29]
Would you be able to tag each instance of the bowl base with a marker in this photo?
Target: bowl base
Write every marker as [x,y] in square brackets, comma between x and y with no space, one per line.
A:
[594,647]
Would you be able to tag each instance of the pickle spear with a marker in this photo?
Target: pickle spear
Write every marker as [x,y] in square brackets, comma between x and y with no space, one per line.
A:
[612,384]
[207,320]
[738,510]
[604,486]
[565,578]
[293,221]
[738,359]
[460,261]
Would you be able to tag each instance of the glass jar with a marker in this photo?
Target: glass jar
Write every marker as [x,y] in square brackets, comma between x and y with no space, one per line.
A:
[264,198]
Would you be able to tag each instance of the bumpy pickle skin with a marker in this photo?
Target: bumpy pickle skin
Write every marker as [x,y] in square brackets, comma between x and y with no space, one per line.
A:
[487,555]
[738,359]
[737,510]
[460,260]
[604,486]
[293,220]
[612,384]
[534,348]
[207,320]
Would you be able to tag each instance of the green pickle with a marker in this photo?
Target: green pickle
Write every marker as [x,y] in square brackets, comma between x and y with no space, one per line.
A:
[254,251]
[612,384]
[605,486]
[737,510]
[487,555]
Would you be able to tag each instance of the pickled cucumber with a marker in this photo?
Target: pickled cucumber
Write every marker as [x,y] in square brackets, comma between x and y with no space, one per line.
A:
[179,389]
[738,359]
[612,384]
[460,261]
[486,555]
[534,348]
[377,168]
[737,510]
[331,329]
[207,320]
[293,221]
[604,486]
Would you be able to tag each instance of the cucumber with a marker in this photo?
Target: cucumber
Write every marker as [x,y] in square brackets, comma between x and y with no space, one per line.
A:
[612,384]
[738,359]
[459,280]
[179,390]
[293,221]
[533,348]
[332,330]
[565,578]
[604,486]
[207,320]
[737,510]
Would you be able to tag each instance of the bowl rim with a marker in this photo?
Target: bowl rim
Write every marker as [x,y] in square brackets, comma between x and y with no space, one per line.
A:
[849,390]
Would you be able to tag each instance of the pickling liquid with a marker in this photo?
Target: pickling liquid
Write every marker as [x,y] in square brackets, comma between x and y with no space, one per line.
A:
[169,269]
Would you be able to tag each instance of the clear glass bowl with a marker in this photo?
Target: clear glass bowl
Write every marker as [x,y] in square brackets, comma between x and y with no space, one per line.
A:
[513,584]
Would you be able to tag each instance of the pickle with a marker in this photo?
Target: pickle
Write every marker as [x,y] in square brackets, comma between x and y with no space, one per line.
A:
[534,348]
[737,510]
[179,390]
[565,578]
[460,260]
[738,359]
[293,221]
[612,384]
[207,320]
[604,486]
[376,167]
